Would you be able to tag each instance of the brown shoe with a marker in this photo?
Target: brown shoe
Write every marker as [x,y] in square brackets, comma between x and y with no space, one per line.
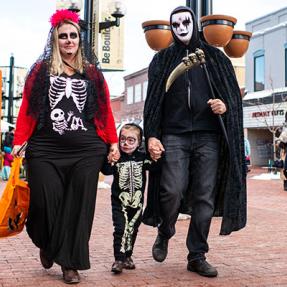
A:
[129,264]
[117,267]
[70,276]
[46,263]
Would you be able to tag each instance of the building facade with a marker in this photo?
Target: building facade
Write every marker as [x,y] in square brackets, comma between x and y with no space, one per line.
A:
[132,103]
[134,96]
[266,80]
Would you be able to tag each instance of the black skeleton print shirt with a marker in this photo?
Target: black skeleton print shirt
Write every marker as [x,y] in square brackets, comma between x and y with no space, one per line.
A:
[66,129]
[129,172]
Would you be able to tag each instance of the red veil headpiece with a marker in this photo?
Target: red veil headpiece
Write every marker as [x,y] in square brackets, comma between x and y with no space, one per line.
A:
[64,14]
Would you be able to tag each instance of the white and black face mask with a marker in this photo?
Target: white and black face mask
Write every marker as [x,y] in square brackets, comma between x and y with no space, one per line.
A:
[182,26]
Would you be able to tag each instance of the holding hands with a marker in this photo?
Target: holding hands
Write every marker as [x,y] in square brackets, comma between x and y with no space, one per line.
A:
[114,153]
[155,148]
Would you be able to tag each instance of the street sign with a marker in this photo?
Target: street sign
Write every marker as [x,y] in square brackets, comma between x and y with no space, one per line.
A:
[109,44]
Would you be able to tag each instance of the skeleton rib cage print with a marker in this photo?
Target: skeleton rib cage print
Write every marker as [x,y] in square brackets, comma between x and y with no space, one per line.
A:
[61,88]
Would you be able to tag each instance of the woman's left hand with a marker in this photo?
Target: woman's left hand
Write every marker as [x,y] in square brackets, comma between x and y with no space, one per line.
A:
[114,153]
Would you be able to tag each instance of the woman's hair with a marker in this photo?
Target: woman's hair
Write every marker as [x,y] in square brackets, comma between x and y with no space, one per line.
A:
[57,65]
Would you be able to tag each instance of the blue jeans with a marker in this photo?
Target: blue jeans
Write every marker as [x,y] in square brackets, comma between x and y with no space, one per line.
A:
[189,170]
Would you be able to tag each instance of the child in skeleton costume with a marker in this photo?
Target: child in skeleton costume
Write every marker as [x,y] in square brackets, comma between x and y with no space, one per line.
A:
[67,121]
[127,194]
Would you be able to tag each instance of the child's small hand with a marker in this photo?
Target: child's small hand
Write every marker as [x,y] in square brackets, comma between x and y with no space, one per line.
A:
[114,154]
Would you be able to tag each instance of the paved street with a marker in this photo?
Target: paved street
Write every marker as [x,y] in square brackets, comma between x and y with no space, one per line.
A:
[254,256]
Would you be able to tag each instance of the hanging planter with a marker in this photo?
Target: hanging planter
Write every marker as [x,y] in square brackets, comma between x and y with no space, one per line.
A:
[157,34]
[238,44]
[218,29]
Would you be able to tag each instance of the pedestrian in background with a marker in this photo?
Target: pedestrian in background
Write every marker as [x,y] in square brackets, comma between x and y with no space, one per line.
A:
[283,168]
[247,152]
[127,194]
[9,137]
[7,163]
[65,117]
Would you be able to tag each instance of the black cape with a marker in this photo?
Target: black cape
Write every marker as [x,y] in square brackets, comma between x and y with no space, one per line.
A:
[231,179]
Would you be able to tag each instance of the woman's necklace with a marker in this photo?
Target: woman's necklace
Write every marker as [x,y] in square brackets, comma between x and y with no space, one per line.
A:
[70,66]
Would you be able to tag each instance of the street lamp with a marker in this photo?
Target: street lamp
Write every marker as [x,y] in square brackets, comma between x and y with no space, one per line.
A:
[73,5]
[118,11]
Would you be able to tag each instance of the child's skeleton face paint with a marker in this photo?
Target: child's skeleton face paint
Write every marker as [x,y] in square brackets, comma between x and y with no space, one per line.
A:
[182,26]
[129,141]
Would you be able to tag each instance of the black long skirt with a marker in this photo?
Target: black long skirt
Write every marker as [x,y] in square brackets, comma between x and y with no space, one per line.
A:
[62,205]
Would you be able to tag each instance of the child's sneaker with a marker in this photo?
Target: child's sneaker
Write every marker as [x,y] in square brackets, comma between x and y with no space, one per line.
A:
[117,267]
[129,264]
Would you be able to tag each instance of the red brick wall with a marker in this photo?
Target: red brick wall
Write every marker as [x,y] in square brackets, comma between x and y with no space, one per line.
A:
[135,109]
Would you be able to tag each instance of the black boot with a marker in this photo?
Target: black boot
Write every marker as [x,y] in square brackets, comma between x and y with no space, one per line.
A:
[159,249]
[202,267]
[129,263]
[117,267]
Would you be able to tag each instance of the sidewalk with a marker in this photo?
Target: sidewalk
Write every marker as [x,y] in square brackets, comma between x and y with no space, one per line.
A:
[254,256]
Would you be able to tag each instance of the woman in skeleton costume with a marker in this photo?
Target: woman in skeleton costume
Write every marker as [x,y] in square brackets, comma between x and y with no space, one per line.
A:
[66,119]
[127,194]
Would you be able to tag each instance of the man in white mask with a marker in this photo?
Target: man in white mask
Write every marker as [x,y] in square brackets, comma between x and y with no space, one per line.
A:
[182,127]
[182,26]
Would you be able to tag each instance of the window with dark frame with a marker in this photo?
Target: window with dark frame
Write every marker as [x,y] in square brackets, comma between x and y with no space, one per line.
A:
[259,73]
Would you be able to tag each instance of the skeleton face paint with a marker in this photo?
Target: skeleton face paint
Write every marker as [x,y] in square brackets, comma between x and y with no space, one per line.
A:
[128,141]
[182,26]
[68,40]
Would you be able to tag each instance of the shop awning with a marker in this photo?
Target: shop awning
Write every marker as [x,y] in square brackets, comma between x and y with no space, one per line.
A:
[263,94]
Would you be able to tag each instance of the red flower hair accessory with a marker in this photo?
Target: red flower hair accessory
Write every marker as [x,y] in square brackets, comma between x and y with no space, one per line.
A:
[63,14]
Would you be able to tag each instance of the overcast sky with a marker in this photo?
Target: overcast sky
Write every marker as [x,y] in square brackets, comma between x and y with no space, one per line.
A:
[24,28]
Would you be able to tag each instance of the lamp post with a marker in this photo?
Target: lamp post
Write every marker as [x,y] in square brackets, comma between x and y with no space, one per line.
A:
[88,21]
[200,8]
[11,90]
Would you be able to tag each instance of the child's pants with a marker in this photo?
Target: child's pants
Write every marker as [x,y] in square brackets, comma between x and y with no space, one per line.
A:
[127,216]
